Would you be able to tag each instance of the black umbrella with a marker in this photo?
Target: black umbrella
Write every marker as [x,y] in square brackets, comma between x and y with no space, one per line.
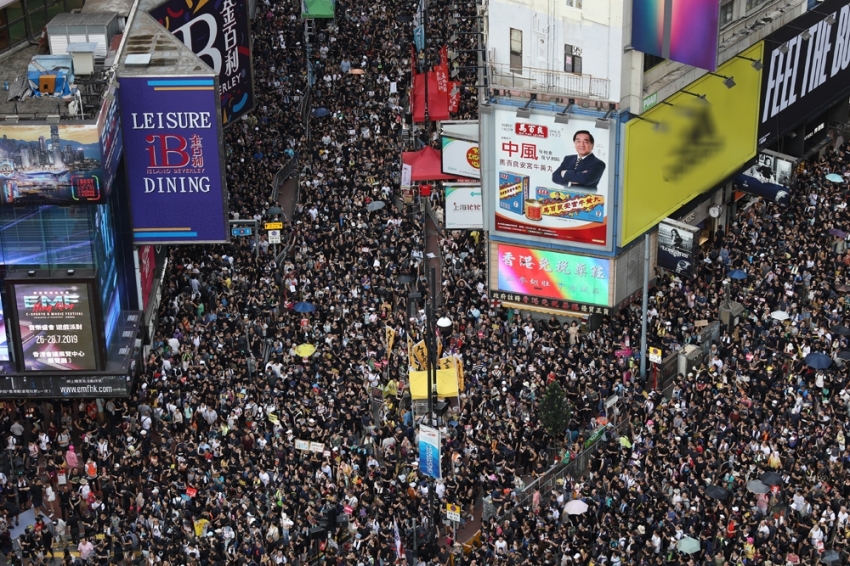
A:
[771,478]
[818,360]
[831,557]
[403,18]
[844,355]
[716,492]
[841,330]
[406,278]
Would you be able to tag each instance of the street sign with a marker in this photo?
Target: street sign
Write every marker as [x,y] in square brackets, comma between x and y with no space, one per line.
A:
[655,355]
[273,225]
[241,231]
[453,512]
[274,236]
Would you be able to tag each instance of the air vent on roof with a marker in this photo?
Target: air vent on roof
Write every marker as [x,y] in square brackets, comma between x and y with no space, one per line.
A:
[138,60]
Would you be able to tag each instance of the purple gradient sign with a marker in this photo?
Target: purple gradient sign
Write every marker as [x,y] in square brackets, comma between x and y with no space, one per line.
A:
[172,144]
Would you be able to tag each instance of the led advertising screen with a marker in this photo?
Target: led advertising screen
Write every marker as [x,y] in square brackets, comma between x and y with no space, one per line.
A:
[174,160]
[220,34]
[4,337]
[56,326]
[53,164]
[463,207]
[769,177]
[554,277]
[685,31]
[552,178]
[111,142]
[678,245]
[806,69]
[461,158]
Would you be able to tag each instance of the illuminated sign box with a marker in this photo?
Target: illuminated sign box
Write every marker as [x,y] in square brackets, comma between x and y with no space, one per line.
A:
[55,329]
[550,279]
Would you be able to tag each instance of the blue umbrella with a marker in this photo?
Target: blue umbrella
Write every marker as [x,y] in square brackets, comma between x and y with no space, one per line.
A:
[737,274]
[835,178]
[304,307]
[320,112]
[817,360]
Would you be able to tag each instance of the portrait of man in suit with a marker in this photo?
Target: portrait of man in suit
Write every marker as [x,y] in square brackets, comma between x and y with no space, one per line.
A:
[582,170]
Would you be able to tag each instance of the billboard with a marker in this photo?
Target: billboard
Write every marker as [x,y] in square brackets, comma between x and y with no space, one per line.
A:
[548,278]
[147,269]
[4,336]
[678,247]
[174,160]
[57,163]
[463,207]
[56,330]
[769,177]
[551,179]
[69,387]
[429,452]
[679,150]
[461,158]
[805,69]
[220,34]
[682,31]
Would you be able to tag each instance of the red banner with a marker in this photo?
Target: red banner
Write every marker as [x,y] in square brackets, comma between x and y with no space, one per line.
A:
[147,267]
[454,99]
[441,73]
[444,56]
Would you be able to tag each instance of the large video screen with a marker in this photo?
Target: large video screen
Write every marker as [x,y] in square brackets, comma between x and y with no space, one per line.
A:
[56,326]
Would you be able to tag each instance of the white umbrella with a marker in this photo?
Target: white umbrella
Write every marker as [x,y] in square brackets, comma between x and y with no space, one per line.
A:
[779,315]
[575,507]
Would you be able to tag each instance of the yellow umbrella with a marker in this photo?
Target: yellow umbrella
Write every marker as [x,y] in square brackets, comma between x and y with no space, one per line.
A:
[305,350]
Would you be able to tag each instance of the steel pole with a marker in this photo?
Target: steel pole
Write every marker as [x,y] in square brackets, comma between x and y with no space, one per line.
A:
[644,306]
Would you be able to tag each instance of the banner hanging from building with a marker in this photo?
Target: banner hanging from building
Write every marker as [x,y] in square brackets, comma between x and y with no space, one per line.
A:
[429,451]
[173,144]
[552,179]
[220,34]
[805,69]
[678,246]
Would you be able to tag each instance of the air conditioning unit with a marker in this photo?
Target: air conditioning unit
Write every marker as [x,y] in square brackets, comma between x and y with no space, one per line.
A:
[690,358]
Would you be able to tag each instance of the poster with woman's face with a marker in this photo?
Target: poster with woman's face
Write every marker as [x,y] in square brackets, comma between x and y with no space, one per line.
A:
[677,248]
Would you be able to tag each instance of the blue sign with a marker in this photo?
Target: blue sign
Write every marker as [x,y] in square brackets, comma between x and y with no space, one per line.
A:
[419,37]
[173,149]
[241,231]
[429,451]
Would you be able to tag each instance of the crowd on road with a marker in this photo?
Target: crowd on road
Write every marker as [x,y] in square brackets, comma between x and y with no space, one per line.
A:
[238,449]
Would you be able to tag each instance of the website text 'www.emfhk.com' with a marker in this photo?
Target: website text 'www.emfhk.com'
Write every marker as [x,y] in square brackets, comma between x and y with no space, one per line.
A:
[85,389]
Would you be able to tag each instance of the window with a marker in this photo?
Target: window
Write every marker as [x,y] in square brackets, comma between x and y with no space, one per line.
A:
[751,4]
[516,50]
[726,13]
[650,61]
[574,4]
[572,59]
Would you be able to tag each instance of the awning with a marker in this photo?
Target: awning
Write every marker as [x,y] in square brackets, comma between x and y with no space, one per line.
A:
[427,165]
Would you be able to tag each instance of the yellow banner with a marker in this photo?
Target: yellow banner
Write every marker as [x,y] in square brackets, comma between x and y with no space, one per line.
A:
[414,363]
[390,340]
[420,353]
[446,384]
[700,137]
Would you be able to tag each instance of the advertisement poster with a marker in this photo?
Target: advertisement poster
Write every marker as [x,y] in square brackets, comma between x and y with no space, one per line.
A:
[429,451]
[552,178]
[174,160]
[4,337]
[52,164]
[769,177]
[463,207]
[68,387]
[549,278]
[678,246]
[56,326]
[461,158]
[685,32]
[806,69]
[220,34]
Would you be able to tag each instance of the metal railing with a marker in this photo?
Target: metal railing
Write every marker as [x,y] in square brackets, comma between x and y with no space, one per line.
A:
[543,81]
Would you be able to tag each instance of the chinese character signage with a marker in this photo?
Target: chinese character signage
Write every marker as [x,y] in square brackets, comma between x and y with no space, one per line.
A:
[68,387]
[429,451]
[461,158]
[55,164]
[552,178]
[463,207]
[55,326]
[550,279]
[219,33]
[678,246]
[174,160]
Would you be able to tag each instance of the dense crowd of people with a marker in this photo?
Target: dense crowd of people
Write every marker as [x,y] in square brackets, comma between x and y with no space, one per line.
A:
[238,447]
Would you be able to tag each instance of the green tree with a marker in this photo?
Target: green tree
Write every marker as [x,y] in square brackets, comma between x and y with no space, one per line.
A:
[555,410]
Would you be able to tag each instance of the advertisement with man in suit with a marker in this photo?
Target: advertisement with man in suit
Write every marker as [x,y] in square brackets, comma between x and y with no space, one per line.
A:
[583,169]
